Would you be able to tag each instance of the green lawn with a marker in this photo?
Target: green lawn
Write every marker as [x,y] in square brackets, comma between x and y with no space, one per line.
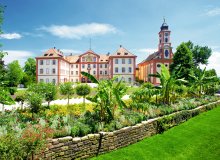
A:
[199,138]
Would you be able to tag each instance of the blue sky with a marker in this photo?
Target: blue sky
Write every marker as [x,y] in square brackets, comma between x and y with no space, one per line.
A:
[31,27]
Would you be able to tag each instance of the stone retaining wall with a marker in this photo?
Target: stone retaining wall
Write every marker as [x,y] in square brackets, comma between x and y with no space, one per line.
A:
[94,144]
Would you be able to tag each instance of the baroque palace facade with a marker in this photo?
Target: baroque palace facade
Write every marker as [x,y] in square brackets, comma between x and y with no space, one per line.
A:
[54,67]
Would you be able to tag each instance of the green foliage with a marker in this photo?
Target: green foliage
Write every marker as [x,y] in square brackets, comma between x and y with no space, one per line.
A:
[67,89]
[21,97]
[34,101]
[10,147]
[200,80]
[199,136]
[83,90]
[14,73]
[5,98]
[30,71]
[47,90]
[182,62]
[200,54]
[107,98]
[168,82]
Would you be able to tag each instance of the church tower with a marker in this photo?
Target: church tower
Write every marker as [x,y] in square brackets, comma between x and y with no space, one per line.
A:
[164,46]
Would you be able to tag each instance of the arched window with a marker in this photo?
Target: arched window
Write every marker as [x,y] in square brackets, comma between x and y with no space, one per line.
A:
[166,40]
[166,53]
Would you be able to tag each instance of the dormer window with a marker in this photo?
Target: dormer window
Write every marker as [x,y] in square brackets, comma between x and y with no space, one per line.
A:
[126,53]
[45,54]
[118,53]
[51,54]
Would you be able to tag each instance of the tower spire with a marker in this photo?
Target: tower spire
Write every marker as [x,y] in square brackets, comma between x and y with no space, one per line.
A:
[164,20]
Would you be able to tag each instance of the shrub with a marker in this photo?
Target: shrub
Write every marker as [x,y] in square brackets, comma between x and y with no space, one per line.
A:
[11,147]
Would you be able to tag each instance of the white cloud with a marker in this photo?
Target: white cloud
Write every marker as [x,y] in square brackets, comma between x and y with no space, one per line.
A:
[214,62]
[19,55]
[213,12]
[79,31]
[146,50]
[10,36]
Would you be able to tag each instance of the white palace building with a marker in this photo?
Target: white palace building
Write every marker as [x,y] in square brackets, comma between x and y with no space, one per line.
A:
[54,67]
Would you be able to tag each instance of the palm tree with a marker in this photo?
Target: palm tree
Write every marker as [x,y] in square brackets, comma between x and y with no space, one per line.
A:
[200,80]
[107,98]
[167,82]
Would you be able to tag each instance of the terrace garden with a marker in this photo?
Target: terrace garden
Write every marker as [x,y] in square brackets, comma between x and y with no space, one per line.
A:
[29,127]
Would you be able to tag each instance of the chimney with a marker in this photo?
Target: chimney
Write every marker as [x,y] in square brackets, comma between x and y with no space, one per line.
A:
[120,45]
[108,53]
[54,47]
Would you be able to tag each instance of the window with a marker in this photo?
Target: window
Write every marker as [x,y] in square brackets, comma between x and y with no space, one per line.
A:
[41,71]
[94,59]
[166,40]
[116,61]
[47,71]
[41,62]
[48,62]
[116,69]
[130,69]
[100,65]
[41,80]
[129,61]
[94,65]
[89,66]
[47,80]
[76,80]
[77,73]
[129,79]
[54,62]
[54,81]
[71,72]
[83,59]
[100,72]
[123,61]
[166,53]
[71,65]
[94,72]
[166,34]
[106,65]
[54,71]
[83,65]
[106,72]
[76,65]
[123,69]
[158,65]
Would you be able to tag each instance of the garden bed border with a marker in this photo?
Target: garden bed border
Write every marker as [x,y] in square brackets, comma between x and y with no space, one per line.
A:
[91,145]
